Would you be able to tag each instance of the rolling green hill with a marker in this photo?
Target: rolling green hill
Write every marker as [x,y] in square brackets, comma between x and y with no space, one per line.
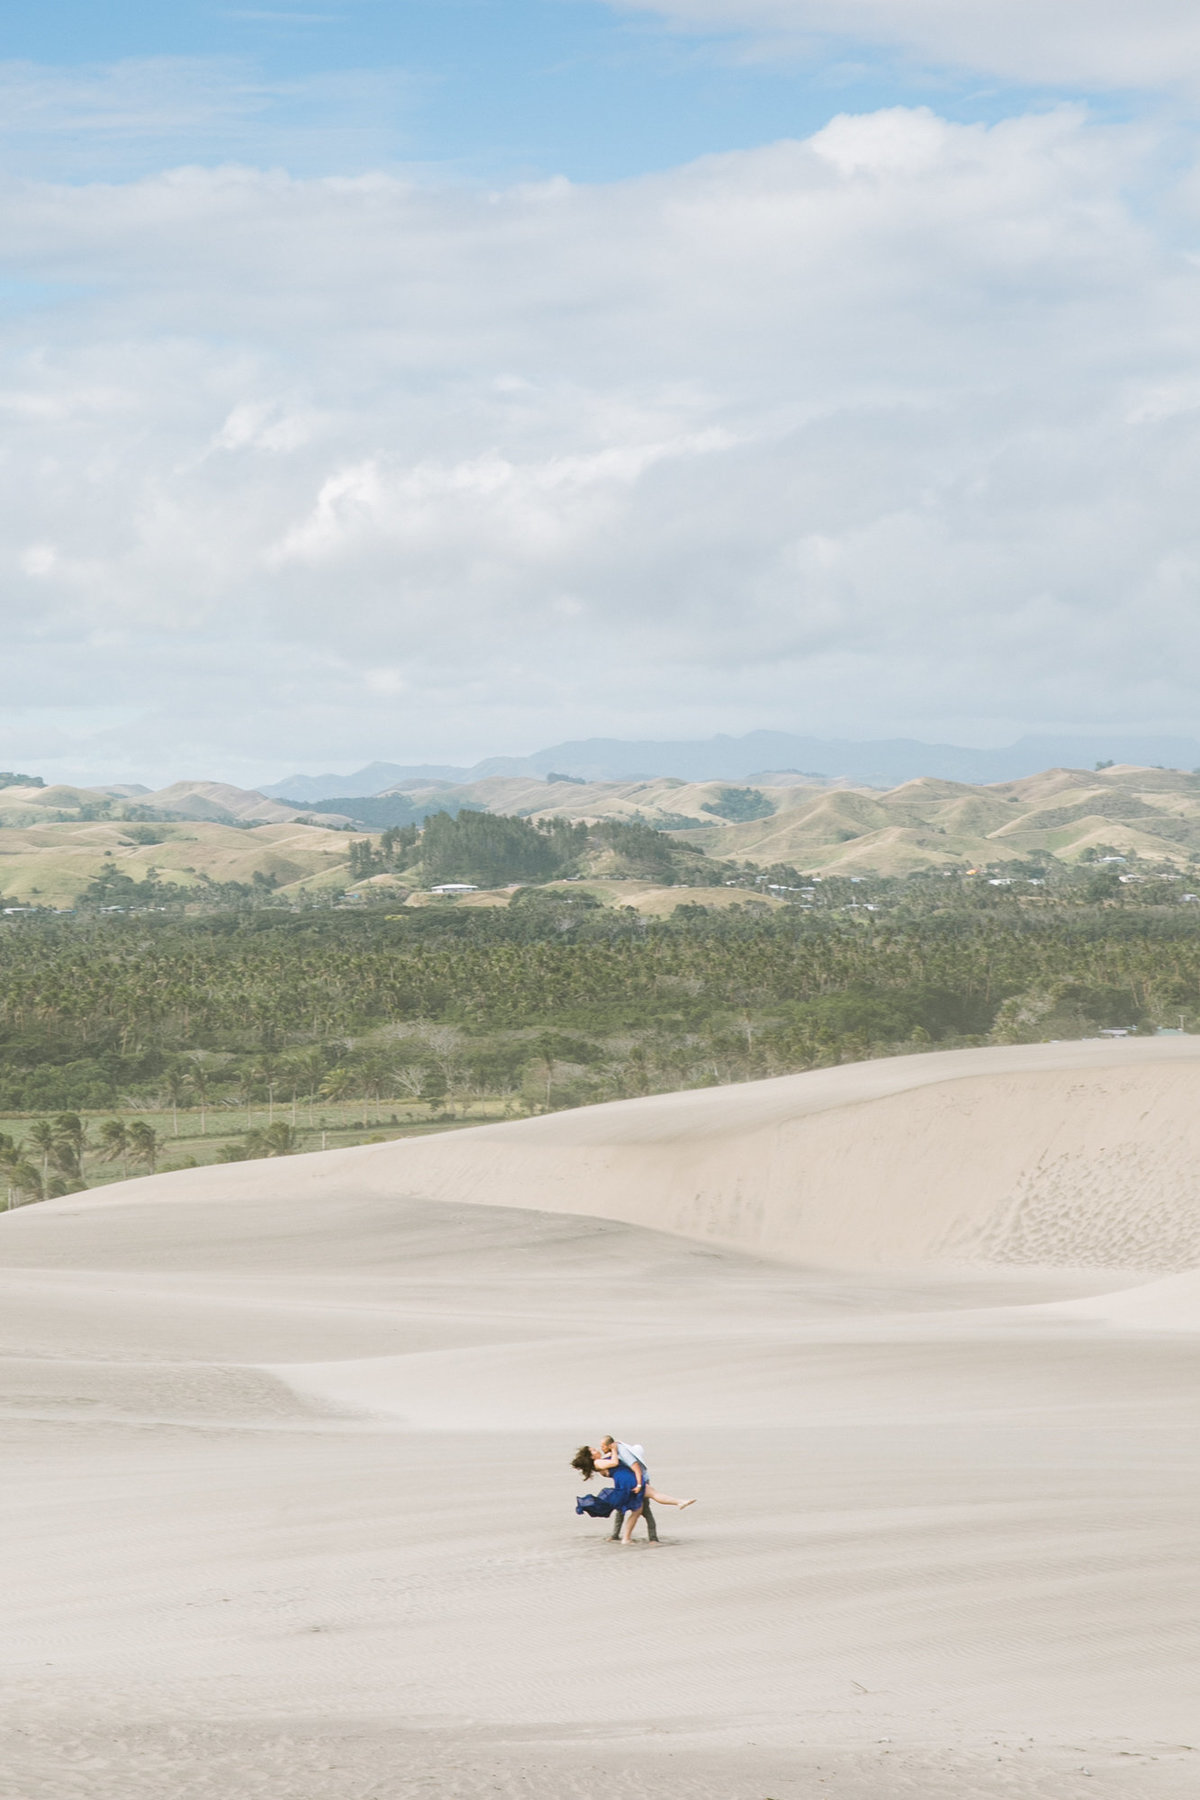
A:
[55,841]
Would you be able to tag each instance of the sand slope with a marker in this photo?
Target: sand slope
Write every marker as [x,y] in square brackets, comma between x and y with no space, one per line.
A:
[289,1517]
[1077,1154]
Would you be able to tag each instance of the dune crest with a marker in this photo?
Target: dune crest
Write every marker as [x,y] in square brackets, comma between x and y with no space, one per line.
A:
[1081,1155]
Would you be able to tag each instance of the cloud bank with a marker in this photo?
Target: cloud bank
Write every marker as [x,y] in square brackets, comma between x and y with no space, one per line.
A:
[890,430]
[1077,43]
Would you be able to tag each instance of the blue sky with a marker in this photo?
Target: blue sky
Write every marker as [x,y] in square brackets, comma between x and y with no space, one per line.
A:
[495,89]
[424,381]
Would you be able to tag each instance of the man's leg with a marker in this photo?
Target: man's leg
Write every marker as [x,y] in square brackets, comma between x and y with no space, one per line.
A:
[651,1527]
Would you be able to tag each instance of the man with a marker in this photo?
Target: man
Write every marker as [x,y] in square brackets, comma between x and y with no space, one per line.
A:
[634,1457]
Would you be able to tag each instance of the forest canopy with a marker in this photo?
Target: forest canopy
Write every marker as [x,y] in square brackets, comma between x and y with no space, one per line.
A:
[100,1007]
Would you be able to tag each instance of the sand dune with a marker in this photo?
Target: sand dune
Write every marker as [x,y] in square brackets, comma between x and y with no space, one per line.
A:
[1172,1304]
[1074,1155]
[290,1515]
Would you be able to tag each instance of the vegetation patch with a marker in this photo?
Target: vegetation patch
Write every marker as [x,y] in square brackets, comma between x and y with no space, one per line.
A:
[740,805]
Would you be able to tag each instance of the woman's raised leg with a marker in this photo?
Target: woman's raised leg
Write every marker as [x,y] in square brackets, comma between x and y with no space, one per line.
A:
[666,1500]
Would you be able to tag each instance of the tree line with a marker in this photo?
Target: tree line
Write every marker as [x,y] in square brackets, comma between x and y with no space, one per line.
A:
[550,1000]
[97,1011]
[50,1160]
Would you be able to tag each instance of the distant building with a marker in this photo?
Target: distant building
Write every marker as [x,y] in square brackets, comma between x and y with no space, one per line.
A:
[455,887]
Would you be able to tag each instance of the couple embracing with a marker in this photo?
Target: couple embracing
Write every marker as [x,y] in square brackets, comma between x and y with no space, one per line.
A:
[629,1496]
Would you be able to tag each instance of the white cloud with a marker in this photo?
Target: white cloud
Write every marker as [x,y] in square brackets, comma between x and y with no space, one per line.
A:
[1078,43]
[263,427]
[872,432]
[39,559]
[118,119]
[531,512]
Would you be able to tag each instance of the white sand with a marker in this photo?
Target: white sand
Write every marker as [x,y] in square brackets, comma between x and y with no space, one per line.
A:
[286,1442]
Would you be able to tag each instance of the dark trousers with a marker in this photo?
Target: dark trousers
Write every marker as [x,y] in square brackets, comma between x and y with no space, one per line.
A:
[651,1527]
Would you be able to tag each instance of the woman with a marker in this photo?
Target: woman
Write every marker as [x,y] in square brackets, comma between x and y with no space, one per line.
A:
[629,1492]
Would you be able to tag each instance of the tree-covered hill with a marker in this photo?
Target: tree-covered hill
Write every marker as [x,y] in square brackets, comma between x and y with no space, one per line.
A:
[495,850]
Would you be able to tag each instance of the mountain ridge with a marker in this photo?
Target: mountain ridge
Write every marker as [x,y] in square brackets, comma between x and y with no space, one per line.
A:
[884,762]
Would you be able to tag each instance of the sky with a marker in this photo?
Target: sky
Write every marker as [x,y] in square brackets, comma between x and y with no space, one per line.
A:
[425,380]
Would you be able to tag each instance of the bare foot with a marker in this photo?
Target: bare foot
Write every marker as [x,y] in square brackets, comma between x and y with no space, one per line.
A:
[684,1503]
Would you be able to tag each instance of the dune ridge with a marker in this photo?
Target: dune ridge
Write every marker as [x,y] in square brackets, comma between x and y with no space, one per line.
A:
[1081,1155]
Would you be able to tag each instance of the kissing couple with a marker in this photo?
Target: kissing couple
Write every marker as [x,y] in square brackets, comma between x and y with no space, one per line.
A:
[629,1497]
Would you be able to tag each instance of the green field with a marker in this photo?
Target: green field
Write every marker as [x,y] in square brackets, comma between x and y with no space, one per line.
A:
[186,1140]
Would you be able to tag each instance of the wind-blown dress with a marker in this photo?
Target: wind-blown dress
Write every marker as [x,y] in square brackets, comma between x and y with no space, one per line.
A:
[620,1497]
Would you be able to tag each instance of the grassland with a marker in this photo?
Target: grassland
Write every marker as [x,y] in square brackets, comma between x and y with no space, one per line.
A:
[188,1138]
[51,864]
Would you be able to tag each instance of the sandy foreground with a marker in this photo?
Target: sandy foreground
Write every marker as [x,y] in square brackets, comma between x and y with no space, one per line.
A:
[288,1505]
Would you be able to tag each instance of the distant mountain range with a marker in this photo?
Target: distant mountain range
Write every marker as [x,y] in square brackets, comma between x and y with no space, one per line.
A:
[882,763]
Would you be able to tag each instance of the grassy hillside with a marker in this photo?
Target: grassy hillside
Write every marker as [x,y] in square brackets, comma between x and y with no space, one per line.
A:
[826,827]
[51,865]
[1069,814]
[55,841]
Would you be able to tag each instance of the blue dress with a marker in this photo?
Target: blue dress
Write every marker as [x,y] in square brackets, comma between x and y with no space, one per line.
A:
[620,1497]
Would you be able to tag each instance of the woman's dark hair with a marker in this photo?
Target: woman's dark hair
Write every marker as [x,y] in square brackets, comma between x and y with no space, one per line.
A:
[582,1460]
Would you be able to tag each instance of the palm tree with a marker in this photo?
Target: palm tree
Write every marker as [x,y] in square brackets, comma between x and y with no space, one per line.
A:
[313,1066]
[291,1074]
[43,1134]
[338,1084]
[273,1140]
[114,1136]
[243,1095]
[546,1047]
[266,1071]
[143,1143]
[176,1083]
[198,1080]
[70,1142]
[11,1159]
[23,1181]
